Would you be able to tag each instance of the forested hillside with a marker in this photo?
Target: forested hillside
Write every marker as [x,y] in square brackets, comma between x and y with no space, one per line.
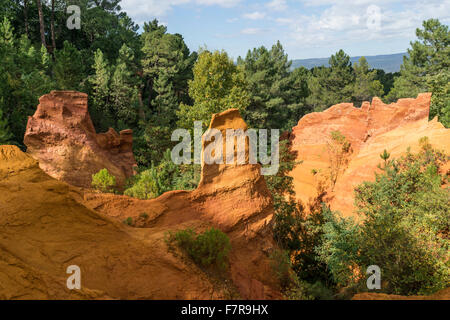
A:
[132,77]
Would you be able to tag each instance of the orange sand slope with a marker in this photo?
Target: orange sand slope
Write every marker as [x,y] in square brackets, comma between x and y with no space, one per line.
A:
[370,129]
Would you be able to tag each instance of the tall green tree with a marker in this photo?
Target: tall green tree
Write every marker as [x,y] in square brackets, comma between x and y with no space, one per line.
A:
[100,95]
[277,95]
[5,134]
[165,53]
[331,85]
[427,67]
[124,89]
[24,77]
[68,67]
[366,86]
[218,85]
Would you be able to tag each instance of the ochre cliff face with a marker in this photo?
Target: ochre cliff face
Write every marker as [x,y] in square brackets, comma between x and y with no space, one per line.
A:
[370,129]
[47,225]
[61,136]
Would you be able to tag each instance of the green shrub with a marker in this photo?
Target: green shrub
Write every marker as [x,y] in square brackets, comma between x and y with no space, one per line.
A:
[406,220]
[143,215]
[128,221]
[281,265]
[145,185]
[187,177]
[103,181]
[164,177]
[210,248]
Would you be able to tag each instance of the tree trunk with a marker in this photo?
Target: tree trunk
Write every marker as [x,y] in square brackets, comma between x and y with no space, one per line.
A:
[52,25]
[25,15]
[41,22]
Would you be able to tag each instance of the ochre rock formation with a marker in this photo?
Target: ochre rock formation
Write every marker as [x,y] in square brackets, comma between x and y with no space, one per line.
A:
[47,225]
[231,197]
[61,136]
[370,129]
[44,229]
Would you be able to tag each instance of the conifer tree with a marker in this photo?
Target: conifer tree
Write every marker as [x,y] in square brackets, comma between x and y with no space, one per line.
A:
[366,86]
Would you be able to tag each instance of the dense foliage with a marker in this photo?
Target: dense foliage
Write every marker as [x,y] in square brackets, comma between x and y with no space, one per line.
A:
[405,216]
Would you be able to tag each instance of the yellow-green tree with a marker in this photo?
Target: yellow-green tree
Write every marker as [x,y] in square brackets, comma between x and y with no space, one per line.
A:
[218,85]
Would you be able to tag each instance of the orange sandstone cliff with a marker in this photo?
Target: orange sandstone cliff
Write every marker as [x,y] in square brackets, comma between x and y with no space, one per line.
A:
[370,129]
[61,136]
[47,225]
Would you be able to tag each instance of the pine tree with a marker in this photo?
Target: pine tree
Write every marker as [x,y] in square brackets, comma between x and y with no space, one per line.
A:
[100,95]
[365,86]
[68,67]
[5,134]
[331,85]
[124,91]
[276,93]
[426,68]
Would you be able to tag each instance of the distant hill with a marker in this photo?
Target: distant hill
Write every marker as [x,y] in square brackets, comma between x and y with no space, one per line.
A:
[387,62]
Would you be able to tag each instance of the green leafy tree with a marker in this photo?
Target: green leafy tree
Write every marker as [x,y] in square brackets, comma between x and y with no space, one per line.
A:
[124,88]
[24,77]
[218,85]
[439,85]
[165,53]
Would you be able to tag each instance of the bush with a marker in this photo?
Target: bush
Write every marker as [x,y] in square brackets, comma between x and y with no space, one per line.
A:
[128,221]
[406,221]
[280,263]
[210,248]
[145,185]
[103,181]
[164,177]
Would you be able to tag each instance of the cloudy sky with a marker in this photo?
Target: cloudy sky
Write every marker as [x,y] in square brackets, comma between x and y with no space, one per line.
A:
[306,28]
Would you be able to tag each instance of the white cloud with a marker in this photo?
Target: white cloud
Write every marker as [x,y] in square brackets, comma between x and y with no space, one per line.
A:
[222,3]
[284,20]
[278,5]
[231,20]
[252,31]
[254,15]
[344,22]
[144,10]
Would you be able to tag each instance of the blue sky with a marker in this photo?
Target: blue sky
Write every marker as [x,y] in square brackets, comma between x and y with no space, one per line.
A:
[306,28]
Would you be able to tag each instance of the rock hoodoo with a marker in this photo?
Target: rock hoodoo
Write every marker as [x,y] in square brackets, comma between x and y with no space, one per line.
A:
[231,197]
[370,129]
[61,136]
